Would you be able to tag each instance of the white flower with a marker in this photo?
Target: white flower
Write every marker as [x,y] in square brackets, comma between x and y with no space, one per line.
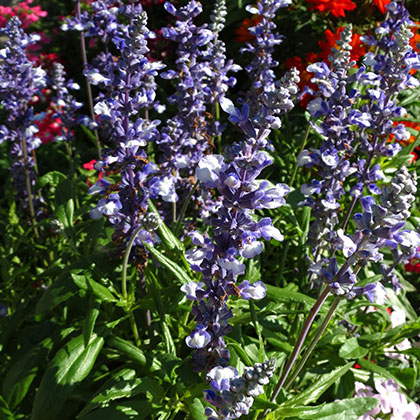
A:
[209,167]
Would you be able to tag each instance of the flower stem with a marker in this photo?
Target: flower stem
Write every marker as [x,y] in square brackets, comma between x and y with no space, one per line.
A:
[303,334]
[314,342]
[305,139]
[88,87]
[28,185]
[127,305]
[178,225]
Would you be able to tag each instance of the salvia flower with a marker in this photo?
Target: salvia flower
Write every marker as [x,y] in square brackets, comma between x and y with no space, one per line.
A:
[237,235]
[127,85]
[232,394]
[20,81]
[263,79]
[379,226]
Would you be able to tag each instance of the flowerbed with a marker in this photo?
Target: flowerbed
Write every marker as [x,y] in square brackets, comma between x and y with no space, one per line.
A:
[210,210]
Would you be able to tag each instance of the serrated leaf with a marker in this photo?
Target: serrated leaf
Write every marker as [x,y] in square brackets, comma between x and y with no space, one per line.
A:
[71,364]
[170,265]
[348,409]
[99,291]
[321,384]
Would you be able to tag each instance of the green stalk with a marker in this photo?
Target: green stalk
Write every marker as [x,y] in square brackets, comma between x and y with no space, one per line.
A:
[298,346]
[314,342]
[318,335]
[124,291]
[28,185]
[282,263]
[305,139]
[88,87]
[178,225]
[257,329]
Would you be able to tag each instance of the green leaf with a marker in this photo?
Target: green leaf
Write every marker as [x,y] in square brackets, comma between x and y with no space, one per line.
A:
[127,410]
[70,366]
[196,409]
[373,367]
[407,376]
[128,349]
[60,291]
[170,265]
[286,295]
[320,385]
[90,320]
[21,374]
[53,178]
[88,133]
[261,404]
[170,241]
[348,409]
[123,384]
[99,291]
[241,352]
[351,349]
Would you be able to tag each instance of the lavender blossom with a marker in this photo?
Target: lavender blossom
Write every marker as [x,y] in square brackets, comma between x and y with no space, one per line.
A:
[202,78]
[354,119]
[128,86]
[232,394]
[379,226]
[236,236]
[264,90]
[66,107]
[20,81]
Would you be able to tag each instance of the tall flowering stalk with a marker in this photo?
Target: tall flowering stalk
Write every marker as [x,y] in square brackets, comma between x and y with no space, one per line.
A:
[264,88]
[128,87]
[185,138]
[357,121]
[20,82]
[236,236]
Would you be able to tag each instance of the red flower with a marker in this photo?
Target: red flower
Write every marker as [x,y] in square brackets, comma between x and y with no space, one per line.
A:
[89,165]
[331,39]
[337,7]
[381,4]
[413,266]
[49,127]
[242,33]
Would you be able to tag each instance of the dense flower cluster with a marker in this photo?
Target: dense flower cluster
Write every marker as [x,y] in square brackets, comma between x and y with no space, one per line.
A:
[127,83]
[357,117]
[233,394]
[262,64]
[20,82]
[236,235]
[202,78]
